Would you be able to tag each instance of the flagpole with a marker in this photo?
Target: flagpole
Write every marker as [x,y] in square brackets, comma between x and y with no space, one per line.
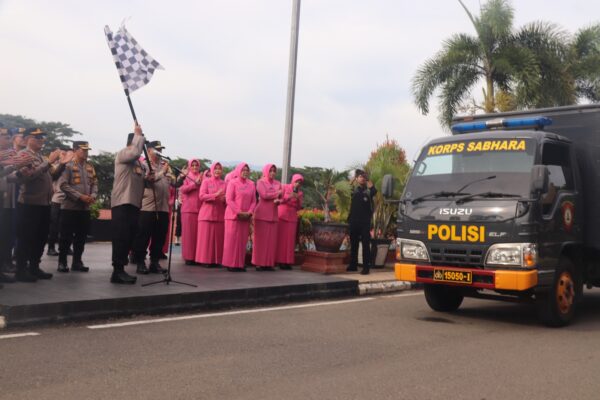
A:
[136,122]
[148,162]
[291,92]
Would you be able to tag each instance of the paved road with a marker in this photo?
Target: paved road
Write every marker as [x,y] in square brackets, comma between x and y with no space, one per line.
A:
[389,347]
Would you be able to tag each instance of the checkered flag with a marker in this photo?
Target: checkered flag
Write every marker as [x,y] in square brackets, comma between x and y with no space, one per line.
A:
[134,64]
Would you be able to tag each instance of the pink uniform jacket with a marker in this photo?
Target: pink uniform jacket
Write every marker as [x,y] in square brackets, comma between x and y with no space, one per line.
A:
[189,191]
[240,196]
[268,191]
[288,209]
[213,207]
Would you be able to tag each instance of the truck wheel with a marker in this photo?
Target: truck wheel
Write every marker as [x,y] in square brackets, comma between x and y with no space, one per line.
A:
[443,298]
[557,306]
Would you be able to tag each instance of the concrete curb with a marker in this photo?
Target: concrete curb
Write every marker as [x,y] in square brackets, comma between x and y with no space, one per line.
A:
[370,288]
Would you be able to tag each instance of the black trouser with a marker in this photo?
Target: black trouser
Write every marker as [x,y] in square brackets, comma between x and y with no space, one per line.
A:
[6,235]
[124,222]
[54,224]
[152,229]
[32,233]
[360,232]
[74,227]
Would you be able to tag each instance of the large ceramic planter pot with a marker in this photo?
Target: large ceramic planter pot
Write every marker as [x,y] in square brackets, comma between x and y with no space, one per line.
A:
[329,237]
[379,251]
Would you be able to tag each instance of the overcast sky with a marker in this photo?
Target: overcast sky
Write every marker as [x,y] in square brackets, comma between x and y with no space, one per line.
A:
[222,94]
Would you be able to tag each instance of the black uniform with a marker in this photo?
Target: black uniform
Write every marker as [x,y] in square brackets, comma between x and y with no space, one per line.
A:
[361,212]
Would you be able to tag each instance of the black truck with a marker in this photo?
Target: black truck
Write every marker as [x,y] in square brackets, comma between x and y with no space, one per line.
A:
[506,208]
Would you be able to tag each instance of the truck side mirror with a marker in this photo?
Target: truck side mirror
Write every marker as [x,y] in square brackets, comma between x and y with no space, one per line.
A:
[387,186]
[539,179]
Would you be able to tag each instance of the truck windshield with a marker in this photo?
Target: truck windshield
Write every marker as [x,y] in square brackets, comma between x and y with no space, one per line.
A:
[467,166]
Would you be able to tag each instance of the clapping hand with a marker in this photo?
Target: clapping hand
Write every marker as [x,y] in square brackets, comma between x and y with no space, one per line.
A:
[55,155]
[66,156]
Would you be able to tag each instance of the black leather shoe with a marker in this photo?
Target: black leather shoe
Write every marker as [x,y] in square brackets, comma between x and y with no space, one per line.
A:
[155,268]
[259,268]
[9,267]
[141,269]
[23,275]
[39,273]
[365,271]
[6,278]
[51,252]
[62,266]
[163,256]
[122,277]
[351,268]
[285,267]
[190,262]
[79,267]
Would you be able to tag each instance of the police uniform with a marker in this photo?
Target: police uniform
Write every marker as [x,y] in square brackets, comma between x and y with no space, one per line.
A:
[361,212]
[78,179]
[33,214]
[154,217]
[7,204]
[125,202]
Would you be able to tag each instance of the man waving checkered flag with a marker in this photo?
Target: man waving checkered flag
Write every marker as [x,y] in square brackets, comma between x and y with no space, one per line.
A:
[134,64]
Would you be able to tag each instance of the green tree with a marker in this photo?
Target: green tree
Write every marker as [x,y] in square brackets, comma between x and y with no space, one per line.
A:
[104,164]
[59,133]
[491,55]
[387,159]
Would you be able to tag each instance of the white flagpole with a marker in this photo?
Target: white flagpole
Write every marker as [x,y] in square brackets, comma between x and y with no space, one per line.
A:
[291,92]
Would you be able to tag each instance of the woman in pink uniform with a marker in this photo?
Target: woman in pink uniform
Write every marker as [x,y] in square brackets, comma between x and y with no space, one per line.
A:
[209,246]
[189,211]
[264,245]
[291,202]
[241,200]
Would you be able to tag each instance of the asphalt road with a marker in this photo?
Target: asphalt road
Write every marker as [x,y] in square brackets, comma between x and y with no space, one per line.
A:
[388,347]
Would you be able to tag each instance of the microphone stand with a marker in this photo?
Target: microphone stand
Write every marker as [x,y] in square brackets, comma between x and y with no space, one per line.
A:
[167,276]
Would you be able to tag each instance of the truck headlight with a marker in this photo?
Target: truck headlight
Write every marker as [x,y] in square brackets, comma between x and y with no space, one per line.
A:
[412,250]
[512,254]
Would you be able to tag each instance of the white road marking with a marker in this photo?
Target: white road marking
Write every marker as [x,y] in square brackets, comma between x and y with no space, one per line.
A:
[419,293]
[224,314]
[18,335]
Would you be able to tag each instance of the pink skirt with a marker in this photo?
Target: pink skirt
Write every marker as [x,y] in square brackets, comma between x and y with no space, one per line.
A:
[189,232]
[264,245]
[286,244]
[236,239]
[209,245]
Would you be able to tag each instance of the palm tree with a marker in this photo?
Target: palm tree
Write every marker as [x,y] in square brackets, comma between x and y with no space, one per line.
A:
[491,55]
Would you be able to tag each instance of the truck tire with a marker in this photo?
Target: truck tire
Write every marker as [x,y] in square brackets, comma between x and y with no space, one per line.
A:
[443,298]
[556,307]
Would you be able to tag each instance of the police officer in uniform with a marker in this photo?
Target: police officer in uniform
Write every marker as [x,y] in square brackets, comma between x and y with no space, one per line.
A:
[9,164]
[33,208]
[154,217]
[361,212]
[126,201]
[79,184]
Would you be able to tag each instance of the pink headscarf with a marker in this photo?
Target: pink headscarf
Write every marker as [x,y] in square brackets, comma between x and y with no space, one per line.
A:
[212,170]
[233,174]
[265,172]
[296,178]
[238,171]
[193,175]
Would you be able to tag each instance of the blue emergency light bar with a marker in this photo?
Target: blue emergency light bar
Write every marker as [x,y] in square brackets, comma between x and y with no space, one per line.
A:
[512,123]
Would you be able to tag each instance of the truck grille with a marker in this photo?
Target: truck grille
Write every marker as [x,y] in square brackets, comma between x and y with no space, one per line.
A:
[457,255]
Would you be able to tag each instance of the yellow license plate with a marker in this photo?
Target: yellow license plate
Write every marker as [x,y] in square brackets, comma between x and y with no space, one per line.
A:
[450,275]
